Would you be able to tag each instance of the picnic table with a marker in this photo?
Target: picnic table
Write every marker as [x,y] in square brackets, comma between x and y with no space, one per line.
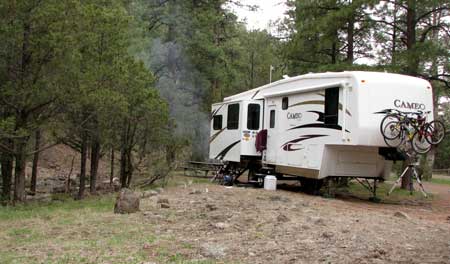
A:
[200,169]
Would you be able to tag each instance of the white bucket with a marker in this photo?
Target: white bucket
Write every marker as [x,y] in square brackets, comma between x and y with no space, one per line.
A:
[270,183]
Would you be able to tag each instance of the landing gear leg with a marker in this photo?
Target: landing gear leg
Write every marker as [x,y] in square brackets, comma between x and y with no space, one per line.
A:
[372,188]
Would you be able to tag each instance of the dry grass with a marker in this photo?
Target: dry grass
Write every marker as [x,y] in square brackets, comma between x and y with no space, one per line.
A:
[68,231]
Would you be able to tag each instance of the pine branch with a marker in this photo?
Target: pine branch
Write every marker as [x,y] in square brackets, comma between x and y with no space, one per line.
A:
[390,24]
[441,8]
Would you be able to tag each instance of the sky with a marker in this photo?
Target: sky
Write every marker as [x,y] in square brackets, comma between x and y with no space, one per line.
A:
[269,10]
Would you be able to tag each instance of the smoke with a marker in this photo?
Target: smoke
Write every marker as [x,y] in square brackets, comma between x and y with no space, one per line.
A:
[183,87]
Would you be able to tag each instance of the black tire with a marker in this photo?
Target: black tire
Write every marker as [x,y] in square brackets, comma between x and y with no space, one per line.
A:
[435,132]
[311,186]
[392,130]
[420,144]
[396,139]
[388,118]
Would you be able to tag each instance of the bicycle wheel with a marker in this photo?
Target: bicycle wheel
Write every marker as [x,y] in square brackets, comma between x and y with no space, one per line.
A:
[392,130]
[435,132]
[388,118]
[393,134]
[420,144]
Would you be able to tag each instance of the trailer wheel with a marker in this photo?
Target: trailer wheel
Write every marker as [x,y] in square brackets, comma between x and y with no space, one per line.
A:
[311,186]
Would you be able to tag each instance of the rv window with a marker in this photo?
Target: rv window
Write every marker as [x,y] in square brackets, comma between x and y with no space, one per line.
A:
[253,116]
[285,103]
[331,106]
[272,118]
[217,122]
[233,116]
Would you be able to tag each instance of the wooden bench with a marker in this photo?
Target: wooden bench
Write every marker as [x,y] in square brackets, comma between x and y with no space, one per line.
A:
[198,166]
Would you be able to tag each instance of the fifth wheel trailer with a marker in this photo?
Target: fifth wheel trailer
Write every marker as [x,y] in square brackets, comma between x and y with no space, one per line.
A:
[318,125]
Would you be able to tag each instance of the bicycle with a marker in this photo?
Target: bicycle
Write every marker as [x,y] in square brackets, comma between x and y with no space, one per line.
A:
[398,126]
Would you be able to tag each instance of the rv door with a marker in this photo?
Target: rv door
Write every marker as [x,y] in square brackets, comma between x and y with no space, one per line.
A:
[272,131]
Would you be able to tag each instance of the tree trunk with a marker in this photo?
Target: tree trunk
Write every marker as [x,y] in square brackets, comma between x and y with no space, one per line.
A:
[129,168]
[67,190]
[333,53]
[123,165]
[34,172]
[252,70]
[350,40]
[412,60]
[111,176]
[412,64]
[406,180]
[19,171]
[84,147]
[394,35]
[6,170]
[95,157]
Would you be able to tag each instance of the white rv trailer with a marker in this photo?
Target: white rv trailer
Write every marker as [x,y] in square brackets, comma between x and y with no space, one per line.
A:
[318,125]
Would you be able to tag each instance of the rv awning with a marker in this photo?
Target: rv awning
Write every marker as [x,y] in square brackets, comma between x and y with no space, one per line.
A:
[305,89]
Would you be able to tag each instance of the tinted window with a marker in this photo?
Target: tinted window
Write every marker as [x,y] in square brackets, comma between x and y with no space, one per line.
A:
[233,116]
[253,116]
[272,118]
[285,103]
[217,122]
[331,106]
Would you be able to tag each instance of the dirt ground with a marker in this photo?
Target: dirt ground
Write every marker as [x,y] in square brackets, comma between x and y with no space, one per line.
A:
[208,223]
[245,225]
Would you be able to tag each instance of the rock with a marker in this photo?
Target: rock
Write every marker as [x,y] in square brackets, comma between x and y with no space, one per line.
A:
[221,225]
[277,198]
[271,244]
[212,251]
[251,254]
[159,190]
[116,181]
[59,189]
[165,205]
[305,227]
[162,200]
[211,207]
[282,218]
[150,193]
[62,178]
[401,215]
[194,191]
[44,198]
[147,213]
[318,221]
[327,235]
[127,202]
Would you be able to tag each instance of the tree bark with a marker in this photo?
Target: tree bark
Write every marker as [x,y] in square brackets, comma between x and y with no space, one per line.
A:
[129,168]
[333,53]
[7,172]
[19,171]
[111,176]
[34,172]
[406,180]
[350,39]
[123,162]
[95,157]
[413,63]
[84,144]
[394,35]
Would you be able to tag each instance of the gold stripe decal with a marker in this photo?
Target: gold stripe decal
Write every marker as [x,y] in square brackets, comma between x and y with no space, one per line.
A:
[216,135]
[319,102]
